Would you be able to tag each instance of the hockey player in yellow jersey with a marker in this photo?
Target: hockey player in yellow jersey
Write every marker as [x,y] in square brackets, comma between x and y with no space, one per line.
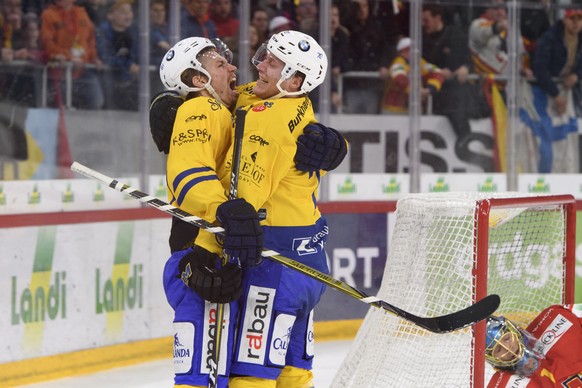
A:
[194,279]
[275,333]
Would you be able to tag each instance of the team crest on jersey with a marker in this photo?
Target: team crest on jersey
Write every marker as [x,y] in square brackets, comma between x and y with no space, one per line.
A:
[574,381]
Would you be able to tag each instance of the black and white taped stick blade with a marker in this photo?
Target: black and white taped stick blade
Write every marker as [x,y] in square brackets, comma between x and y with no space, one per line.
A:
[440,324]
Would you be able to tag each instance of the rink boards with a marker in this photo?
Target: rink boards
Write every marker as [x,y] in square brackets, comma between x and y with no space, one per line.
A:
[81,289]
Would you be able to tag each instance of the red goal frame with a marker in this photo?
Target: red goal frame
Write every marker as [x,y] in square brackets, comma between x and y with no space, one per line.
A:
[481,267]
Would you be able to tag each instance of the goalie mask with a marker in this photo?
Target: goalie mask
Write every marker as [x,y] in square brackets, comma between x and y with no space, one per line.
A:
[510,348]
[300,53]
[187,54]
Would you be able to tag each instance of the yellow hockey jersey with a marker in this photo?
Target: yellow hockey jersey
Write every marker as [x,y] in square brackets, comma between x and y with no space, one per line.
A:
[199,165]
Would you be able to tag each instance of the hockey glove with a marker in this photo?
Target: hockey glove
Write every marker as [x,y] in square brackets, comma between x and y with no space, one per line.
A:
[198,271]
[243,236]
[319,148]
[162,116]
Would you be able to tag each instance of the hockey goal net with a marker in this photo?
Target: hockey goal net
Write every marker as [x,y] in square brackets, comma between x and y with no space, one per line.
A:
[448,250]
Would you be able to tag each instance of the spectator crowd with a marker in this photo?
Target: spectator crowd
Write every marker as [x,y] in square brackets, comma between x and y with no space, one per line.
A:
[464,50]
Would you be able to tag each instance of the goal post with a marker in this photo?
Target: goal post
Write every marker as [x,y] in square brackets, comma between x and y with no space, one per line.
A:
[447,251]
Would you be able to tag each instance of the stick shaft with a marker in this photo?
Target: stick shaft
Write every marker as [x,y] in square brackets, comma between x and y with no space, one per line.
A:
[232,194]
[441,324]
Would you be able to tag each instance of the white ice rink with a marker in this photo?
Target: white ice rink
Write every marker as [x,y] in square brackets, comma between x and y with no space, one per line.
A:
[159,374]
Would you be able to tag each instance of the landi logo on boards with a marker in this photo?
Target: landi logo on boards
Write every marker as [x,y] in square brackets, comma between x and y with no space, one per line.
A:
[348,187]
[392,187]
[539,187]
[98,194]
[2,196]
[68,196]
[489,186]
[34,196]
[119,294]
[440,186]
[41,303]
[161,190]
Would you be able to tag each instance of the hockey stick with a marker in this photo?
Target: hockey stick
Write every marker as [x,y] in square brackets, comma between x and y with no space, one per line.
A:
[441,324]
[237,149]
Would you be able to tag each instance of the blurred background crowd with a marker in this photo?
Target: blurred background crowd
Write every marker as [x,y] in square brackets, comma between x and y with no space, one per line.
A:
[98,38]
[85,54]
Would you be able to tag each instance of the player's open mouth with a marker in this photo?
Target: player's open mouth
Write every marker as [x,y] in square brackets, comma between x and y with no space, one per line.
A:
[232,84]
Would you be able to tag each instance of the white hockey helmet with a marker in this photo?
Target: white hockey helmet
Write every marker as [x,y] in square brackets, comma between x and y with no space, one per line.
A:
[300,52]
[184,55]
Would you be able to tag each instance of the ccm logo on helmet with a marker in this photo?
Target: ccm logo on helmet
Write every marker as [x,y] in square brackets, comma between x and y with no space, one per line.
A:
[170,55]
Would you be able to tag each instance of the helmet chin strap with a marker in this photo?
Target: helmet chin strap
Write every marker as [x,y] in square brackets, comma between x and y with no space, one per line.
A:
[283,92]
[213,93]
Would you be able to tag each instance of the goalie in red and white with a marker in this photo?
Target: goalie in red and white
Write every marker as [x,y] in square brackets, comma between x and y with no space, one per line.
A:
[548,353]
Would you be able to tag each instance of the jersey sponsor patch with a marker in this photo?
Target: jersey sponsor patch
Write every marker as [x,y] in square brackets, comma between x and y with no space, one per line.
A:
[554,331]
[302,246]
[199,135]
[183,346]
[280,339]
[256,325]
[517,381]
[209,336]
[258,139]
[261,106]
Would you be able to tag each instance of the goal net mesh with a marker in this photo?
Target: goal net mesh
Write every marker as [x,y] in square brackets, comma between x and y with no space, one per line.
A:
[430,271]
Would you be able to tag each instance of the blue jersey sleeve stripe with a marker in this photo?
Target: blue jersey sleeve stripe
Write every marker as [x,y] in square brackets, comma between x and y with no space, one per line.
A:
[181,176]
[191,184]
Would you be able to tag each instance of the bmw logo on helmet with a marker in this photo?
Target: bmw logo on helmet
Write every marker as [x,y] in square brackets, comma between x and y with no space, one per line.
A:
[304,45]
[170,55]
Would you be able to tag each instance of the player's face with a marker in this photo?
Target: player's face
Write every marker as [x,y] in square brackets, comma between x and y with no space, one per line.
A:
[507,348]
[223,76]
[269,68]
